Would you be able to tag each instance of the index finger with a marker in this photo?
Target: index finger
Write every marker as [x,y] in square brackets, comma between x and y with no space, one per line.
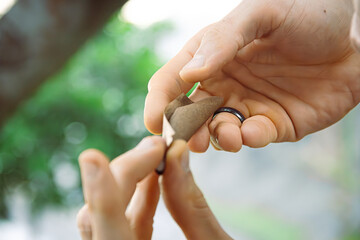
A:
[166,84]
[133,166]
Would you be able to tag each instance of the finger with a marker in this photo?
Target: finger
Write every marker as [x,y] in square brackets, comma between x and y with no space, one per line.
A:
[141,210]
[221,42]
[265,101]
[155,103]
[184,199]
[258,131]
[84,223]
[199,142]
[229,134]
[225,132]
[103,197]
[133,166]
[218,46]
[166,84]
[225,128]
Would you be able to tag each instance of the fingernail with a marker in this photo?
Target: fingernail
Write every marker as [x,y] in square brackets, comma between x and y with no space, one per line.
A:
[185,161]
[215,143]
[145,144]
[90,170]
[198,61]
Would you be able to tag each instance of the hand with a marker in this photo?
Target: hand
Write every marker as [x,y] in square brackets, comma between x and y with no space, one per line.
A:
[288,66]
[109,188]
[184,199]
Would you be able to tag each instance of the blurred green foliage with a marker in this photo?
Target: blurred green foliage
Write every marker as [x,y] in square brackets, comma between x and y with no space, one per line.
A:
[96,101]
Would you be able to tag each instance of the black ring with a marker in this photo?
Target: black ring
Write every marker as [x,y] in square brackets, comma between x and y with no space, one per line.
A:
[230,110]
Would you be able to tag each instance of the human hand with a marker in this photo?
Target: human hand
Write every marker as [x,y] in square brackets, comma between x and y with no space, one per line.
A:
[287,66]
[108,189]
[183,198]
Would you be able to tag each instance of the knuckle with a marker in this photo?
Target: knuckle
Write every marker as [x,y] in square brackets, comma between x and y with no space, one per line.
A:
[215,33]
[106,205]
[83,219]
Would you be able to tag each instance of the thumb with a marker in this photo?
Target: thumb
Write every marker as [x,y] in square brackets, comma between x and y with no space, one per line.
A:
[221,41]
[184,199]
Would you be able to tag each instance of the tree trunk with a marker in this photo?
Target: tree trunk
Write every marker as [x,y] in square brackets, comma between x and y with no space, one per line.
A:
[37,37]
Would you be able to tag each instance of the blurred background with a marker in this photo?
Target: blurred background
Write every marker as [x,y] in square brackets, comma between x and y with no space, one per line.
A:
[304,190]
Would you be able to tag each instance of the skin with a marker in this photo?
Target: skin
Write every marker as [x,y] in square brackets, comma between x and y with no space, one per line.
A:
[287,65]
[109,188]
[121,197]
[355,26]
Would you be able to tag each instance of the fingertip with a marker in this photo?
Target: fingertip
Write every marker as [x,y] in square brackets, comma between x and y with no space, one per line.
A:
[194,75]
[229,136]
[95,178]
[253,137]
[92,156]
[155,104]
[177,148]
[151,143]
[225,132]
[131,167]
[158,140]
[152,123]
[215,143]
[199,142]
[198,147]
[258,131]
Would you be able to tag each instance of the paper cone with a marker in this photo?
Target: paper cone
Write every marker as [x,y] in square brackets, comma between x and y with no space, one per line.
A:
[182,118]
